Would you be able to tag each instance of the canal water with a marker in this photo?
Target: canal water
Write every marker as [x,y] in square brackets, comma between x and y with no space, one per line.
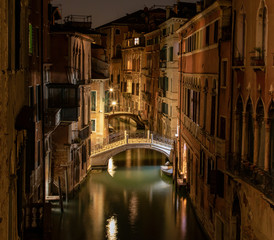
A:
[132,200]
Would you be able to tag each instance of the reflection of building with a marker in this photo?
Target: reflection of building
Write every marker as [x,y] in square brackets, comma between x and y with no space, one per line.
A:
[225,116]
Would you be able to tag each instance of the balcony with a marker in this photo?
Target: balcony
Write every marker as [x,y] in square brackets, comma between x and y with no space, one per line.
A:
[66,97]
[84,133]
[52,117]
[238,63]
[252,174]
[69,114]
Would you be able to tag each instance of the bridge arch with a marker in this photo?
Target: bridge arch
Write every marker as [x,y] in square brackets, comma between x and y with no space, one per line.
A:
[134,117]
[102,153]
[102,159]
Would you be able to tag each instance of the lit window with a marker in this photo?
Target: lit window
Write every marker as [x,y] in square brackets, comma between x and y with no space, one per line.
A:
[136,41]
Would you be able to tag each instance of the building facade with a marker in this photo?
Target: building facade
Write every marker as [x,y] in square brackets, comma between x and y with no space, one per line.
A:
[225,106]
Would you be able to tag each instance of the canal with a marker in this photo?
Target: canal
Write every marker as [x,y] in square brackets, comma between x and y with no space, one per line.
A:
[132,200]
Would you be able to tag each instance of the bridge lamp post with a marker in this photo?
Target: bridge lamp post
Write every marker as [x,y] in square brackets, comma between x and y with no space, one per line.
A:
[113,105]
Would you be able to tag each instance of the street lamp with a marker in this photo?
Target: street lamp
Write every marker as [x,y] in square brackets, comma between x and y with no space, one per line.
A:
[113,105]
[111,89]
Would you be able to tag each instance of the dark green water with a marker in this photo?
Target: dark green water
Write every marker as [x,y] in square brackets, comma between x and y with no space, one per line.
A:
[130,201]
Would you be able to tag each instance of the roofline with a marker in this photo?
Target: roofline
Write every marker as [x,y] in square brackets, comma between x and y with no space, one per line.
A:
[216,4]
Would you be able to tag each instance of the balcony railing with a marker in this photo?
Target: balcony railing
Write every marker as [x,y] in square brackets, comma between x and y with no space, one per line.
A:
[52,117]
[84,133]
[257,61]
[255,176]
[238,61]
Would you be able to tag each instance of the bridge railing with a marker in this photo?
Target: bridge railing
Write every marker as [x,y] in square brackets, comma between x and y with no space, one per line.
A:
[120,138]
[159,138]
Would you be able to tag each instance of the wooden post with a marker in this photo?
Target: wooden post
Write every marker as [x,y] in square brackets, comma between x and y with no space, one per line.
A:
[60,195]
[66,183]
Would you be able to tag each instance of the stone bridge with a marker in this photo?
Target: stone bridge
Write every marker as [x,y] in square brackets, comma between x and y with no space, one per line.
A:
[119,142]
[134,117]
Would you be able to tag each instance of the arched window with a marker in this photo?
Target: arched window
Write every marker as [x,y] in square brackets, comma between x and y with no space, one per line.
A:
[239,127]
[241,32]
[249,140]
[261,29]
[261,133]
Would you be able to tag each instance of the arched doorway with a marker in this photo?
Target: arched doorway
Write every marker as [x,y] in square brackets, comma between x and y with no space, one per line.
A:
[249,131]
[236,220]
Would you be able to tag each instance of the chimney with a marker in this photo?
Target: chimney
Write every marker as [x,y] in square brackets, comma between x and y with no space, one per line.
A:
[167,12]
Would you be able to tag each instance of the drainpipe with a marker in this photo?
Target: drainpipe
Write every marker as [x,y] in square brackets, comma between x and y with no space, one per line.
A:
[42,103]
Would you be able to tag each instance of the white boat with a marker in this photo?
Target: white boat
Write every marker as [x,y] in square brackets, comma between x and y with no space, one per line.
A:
[167,170]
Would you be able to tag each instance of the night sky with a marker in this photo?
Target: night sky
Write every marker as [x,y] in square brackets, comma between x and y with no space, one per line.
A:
[104,11]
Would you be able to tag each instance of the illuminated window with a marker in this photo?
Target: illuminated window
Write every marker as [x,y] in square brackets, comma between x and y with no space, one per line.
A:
[93,100]
[136,41]
[93,125]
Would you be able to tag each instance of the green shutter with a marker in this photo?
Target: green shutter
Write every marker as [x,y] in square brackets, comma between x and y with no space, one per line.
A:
[30,39]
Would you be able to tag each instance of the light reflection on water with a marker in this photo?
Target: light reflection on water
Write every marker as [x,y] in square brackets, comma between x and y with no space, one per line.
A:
[112,229]
[135,203]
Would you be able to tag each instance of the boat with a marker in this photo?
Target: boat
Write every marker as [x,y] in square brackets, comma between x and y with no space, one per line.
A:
[167,171]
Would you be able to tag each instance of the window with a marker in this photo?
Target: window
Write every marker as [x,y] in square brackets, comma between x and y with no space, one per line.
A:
[207,35]
[170,109]
[261,29]
[93,125]
[216,32]
[171,54]
[136,41]
[38,103]
[222,127]
[164,108]
[224,73]
[118,51]
[137,89]
[111,78]
[118,78]
[117,31]
[133,88]
[93,100]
